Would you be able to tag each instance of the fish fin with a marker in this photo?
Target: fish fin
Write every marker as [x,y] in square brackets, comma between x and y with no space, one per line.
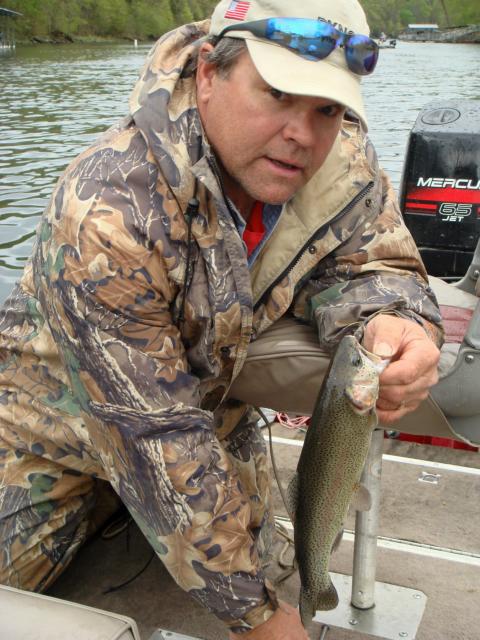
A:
[292,496]
[325,601]
[362,498]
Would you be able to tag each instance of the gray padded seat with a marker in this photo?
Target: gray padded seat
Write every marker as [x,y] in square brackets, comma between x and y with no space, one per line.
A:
[448,295]
[285,367]
[31,616]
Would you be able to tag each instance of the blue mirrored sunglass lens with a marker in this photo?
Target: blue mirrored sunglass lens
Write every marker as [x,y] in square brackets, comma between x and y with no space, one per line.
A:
[311,39]
[314,48]
[302,27]
[362,54]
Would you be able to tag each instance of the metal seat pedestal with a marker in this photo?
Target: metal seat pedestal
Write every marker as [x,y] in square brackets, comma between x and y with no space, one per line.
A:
[366,606]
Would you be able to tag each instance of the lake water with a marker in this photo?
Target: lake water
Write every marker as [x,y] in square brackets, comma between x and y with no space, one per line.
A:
[55,100]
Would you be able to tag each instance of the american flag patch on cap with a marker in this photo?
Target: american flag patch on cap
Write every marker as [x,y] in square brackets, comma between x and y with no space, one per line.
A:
[237,10]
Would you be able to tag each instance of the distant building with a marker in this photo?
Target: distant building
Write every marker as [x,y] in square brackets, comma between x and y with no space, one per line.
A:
[422,27]
[7,30]
[420,32]
[432,33]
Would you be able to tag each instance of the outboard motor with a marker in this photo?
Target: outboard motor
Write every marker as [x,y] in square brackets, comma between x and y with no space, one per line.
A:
[440,189]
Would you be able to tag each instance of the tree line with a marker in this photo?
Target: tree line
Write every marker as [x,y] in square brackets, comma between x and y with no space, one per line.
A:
[141,19]
[392,16]
[148,19]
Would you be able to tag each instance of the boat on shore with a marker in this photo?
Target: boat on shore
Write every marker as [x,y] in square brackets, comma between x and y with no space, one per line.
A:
[387,44]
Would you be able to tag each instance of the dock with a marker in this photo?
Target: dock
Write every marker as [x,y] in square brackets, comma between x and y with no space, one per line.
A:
[7,28]
[432,33]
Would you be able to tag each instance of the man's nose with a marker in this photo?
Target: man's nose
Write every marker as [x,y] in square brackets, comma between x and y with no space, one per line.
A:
[300,128]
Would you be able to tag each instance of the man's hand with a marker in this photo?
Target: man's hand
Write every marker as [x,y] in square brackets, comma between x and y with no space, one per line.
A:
[285,624]
[413,364]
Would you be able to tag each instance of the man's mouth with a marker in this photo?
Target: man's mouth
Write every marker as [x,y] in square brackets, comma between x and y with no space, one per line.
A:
[285,164]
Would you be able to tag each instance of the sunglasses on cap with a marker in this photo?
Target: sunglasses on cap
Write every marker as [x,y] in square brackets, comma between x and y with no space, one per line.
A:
[313,40]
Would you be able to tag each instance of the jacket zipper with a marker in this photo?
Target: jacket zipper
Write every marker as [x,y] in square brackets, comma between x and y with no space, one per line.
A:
[312,238]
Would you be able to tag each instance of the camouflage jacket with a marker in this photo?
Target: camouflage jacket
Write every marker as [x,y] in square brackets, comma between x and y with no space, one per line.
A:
[102,329]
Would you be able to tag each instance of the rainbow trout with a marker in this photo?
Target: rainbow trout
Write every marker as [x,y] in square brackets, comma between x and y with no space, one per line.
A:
[329,468]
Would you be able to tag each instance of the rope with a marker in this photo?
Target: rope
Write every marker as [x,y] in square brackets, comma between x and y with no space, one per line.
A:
[289,568]
[300,422]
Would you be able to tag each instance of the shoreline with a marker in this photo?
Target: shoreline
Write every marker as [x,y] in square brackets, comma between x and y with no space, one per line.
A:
[68,40]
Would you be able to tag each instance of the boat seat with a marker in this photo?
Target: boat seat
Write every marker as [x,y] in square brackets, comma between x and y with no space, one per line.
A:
[454,405]
[28,616]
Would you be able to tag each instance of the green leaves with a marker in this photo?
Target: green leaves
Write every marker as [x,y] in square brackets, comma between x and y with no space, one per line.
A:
[392,16]
[144,19]
[141,19]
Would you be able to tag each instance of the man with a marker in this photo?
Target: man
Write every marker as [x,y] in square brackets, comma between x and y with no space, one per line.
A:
[240,190]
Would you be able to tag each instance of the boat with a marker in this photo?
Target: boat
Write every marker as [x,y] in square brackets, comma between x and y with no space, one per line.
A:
[387,44]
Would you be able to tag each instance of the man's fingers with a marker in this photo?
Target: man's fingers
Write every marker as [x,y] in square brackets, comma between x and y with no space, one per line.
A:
[384,349]
[400,339]
[412,370]
[384,335]
[390,417]
[409,371]
[397,405]
[392,396]
[285,624]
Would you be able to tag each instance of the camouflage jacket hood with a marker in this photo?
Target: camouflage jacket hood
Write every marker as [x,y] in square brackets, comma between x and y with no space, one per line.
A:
[102,334]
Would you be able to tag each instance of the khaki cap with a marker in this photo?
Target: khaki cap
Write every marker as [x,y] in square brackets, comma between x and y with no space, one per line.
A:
[287,71]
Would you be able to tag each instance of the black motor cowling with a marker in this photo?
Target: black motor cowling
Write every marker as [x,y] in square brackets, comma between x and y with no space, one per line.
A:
[440,190]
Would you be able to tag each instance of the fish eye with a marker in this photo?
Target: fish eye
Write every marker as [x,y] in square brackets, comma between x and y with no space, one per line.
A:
[356,360]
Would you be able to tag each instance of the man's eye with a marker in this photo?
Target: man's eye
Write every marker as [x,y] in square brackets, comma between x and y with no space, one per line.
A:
[331,110]
[275,93]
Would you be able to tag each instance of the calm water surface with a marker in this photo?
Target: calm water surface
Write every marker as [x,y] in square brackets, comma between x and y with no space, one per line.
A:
[55,100]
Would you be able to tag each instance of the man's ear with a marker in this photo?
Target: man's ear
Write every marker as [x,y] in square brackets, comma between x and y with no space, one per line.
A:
[206,73]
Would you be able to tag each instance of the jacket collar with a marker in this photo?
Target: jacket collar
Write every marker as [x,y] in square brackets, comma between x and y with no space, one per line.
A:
[344,174]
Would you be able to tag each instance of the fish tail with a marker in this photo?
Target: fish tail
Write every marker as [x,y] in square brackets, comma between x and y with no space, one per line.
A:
[323,601]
